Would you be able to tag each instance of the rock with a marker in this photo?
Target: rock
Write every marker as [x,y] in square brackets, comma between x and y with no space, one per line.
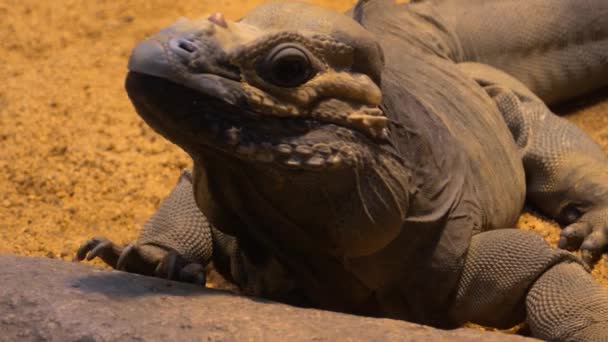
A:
[45,299]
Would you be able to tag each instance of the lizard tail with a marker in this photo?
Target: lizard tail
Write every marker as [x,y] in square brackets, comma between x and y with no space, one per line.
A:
[558,48]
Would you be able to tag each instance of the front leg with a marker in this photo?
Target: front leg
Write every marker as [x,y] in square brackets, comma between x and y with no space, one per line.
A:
[178,243]
[566,171]
[175,243]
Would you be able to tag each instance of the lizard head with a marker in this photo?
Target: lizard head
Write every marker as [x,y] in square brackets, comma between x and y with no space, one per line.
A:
[289,95]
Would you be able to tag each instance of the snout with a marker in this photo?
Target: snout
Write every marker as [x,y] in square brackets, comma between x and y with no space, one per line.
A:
[150,58]
[189,54]
[181,83]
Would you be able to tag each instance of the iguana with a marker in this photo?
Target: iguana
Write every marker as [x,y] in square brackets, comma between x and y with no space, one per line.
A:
[373,162]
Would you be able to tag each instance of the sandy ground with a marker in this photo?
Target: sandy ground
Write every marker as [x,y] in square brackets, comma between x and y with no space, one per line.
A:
[75,159]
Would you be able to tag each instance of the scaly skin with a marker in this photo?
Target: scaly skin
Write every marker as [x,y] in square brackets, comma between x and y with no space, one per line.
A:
[335,158]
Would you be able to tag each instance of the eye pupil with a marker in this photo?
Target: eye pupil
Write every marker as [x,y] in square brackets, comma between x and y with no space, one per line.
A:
[286,66]
[289,68]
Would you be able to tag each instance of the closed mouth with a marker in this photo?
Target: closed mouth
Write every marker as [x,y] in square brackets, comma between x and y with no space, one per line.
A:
[197,121]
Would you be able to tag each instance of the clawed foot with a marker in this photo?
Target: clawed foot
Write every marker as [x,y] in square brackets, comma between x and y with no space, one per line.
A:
[143,259]
[589,234]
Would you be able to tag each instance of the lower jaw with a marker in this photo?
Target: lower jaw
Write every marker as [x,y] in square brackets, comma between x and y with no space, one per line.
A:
[285,156]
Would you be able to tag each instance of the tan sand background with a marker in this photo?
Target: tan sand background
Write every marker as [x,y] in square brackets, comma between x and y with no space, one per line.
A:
[75,159]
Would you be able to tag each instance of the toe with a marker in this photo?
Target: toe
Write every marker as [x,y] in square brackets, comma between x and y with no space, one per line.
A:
[99,249]
[86,247]
[572,236]
[193,273]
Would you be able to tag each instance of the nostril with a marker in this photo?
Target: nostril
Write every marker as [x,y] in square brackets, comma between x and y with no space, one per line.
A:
[186,45]
[183,47]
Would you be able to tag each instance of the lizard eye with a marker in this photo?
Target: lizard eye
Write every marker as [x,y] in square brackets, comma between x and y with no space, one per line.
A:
[287,65]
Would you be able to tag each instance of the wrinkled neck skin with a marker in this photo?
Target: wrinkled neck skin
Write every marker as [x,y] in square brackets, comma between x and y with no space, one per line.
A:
[342,213]
[313,223]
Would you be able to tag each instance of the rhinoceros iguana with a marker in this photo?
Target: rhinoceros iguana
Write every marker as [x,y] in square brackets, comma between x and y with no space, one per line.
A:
[373,162]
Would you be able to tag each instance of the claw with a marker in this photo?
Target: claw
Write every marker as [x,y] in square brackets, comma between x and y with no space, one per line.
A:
[158,269]
[121,263]
[172,260]
[589,257]
[81,253]
[90,245]
[593,247]
[166,267]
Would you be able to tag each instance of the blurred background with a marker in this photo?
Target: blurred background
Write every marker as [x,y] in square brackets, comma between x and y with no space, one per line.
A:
[75,159]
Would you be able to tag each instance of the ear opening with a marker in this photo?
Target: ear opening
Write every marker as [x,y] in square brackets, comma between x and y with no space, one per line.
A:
[358,11]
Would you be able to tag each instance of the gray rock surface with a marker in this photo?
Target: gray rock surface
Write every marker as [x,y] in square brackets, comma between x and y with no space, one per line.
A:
[44,299]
